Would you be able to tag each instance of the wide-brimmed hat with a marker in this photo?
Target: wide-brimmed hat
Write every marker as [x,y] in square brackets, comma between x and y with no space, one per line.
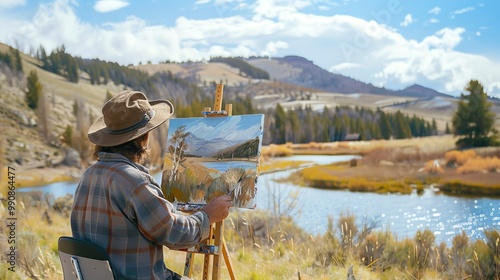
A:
[127,116]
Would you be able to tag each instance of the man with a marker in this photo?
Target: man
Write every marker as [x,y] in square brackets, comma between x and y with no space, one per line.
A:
[119,205]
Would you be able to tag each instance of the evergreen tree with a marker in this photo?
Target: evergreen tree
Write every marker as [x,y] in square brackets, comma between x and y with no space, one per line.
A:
[72,70]
[18,62]
[42,56]
[385,125]
[401,126]
[279,123]
[34,90]
[447,129]
[434,127]
[473,121]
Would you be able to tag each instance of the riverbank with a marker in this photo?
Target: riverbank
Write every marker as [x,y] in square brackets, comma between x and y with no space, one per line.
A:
[386,166]
[40,176]
[395,166]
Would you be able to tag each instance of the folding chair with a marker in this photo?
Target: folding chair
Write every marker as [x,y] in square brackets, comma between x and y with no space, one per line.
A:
[83,259]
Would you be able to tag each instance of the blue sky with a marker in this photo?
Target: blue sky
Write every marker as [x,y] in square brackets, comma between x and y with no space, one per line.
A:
[391,43]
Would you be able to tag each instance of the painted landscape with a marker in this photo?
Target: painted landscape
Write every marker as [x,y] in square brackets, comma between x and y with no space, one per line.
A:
[208,157]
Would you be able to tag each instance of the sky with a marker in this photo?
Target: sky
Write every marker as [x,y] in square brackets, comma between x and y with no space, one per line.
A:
[439,44]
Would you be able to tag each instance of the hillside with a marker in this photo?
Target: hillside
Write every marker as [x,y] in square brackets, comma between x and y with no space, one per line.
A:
[22,144]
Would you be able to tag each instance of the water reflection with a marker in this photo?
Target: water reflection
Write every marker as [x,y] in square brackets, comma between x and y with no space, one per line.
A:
[403,215]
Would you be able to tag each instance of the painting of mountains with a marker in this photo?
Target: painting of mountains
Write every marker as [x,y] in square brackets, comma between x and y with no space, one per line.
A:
[207,157]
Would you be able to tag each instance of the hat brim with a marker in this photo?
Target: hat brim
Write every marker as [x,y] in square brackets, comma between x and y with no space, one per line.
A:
[99,134]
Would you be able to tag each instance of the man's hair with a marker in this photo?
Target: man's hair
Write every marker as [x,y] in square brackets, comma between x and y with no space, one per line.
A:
[132,150]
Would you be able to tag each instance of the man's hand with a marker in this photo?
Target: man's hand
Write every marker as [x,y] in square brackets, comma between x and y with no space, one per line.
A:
[218,209]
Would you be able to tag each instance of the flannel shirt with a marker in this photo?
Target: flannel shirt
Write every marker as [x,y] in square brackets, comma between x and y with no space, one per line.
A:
[119,206]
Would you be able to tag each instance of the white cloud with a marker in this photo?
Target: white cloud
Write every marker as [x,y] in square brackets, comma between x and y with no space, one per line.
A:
[201,2]
[435,11]
[352,46]
[272,48]
[407,21]
[478,33]
[104,6]
[433,20]
[344,66]
[12,3]
[274,8]
[462,11]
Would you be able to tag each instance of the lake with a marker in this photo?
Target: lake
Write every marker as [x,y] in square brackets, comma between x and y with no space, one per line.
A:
[403,215]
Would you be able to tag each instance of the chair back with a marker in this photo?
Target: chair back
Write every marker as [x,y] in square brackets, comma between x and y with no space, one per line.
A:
[83,260]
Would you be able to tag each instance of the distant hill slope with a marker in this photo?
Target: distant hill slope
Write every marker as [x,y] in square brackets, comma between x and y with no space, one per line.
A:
[300,71]
[420,91]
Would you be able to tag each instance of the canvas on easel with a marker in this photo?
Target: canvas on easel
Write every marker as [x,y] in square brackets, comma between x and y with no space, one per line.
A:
[208,157]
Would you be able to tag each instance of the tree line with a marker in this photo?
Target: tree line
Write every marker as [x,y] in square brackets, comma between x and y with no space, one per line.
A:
[305,125]
[243,66]
[59,62]
[12,60]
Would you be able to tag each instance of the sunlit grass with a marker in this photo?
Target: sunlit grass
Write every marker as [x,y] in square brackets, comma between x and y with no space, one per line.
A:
[282,164]
[323,176]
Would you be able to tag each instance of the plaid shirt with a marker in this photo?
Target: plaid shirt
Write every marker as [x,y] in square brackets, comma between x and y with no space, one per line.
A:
[119,206]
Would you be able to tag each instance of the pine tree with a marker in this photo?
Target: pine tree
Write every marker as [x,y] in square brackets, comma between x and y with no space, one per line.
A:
[279,123]
[385,126]
[401,126]
[473,121]
[34,90]
[72,69]
[434,127]
[447,129]
[18,62]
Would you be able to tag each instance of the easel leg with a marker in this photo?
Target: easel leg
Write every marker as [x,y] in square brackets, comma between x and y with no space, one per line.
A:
[217,242]
[225,254]
[207,262]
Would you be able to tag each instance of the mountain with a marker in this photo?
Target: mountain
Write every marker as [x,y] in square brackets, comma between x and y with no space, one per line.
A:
[422,92]
[200,147]
[300,71]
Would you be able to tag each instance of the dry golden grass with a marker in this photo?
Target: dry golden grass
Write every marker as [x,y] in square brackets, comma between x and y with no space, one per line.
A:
[470,162]
[272,151]
[262,246]
[479,164]
[459,157]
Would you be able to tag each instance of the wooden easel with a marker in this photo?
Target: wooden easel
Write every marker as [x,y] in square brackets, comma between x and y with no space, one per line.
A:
[215,244]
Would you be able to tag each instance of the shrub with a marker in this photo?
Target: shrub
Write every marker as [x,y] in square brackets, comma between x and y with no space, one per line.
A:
[348,231]
[372,247]
[478,164]
[424,255]
[63,204]
[459,255]
[457,158]
[483,264]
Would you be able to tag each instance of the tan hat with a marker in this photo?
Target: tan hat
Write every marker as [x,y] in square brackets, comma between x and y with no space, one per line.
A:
[127,116]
